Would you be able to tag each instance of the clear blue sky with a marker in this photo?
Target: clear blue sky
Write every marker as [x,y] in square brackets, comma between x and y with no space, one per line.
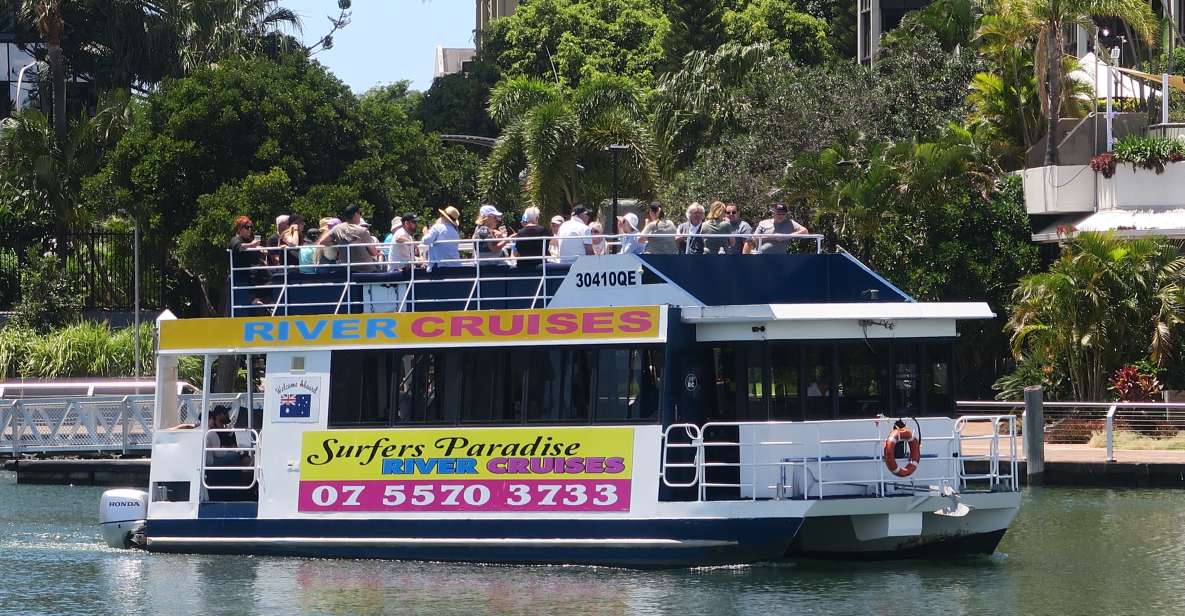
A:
[387,40]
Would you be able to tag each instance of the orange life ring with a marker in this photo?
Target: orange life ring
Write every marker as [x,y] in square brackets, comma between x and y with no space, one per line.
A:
[899,435]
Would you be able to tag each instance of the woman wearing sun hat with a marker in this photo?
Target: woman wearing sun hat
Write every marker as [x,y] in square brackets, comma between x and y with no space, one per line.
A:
[442,239]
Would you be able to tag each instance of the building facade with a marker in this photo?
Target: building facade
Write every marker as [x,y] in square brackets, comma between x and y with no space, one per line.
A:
[16,52]
[488,11]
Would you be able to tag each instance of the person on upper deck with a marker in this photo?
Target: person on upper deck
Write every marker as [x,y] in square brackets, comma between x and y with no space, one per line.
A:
[402,252]
[274,257]
[243,255]
[293,238]
[739,245]
[489,235]
[659,233]
[553,245]
[717,224]
[527,251]
[627,227]
[773,234]
[363,249]
[575,236]
[689,237]
[597,233]
[442,240]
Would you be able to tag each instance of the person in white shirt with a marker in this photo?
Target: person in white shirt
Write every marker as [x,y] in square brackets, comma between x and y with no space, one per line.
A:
[575,236]
[627,226]
[553,245]
[403,245]
[442,240]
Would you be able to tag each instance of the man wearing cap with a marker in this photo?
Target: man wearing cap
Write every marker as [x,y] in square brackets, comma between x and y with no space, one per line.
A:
[442,240]
[575,236]
[772,235]
[353,232]
[403,245]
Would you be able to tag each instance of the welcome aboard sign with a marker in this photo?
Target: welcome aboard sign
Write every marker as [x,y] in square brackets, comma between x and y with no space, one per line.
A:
[602,325]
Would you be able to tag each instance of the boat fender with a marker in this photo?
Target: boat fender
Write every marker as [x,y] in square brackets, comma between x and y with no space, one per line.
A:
[902,436]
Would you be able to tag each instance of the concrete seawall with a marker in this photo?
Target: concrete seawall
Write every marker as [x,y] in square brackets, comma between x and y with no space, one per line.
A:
[129,473]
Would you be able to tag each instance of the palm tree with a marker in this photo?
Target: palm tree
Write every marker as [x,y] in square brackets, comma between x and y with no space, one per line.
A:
[551,134]
[46,16]
[1104,302]
[1044,24]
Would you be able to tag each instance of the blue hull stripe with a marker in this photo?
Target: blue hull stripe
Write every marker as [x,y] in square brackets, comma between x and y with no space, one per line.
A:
[622,543]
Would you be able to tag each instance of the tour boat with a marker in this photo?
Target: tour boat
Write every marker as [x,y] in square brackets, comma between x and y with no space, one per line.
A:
[620,410]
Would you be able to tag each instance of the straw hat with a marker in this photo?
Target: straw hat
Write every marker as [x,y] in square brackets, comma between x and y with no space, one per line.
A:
[451,214]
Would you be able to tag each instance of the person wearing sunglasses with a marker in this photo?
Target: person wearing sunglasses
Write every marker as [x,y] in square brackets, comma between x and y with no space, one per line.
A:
[244,256]
[773,235]
[742,229]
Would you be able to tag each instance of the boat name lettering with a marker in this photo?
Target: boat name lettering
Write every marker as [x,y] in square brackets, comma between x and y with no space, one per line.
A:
[312,329]
[557,323]
[624,278]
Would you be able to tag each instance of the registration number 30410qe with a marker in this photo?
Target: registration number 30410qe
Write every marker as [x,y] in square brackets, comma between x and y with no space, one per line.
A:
[621,278]
[486,495]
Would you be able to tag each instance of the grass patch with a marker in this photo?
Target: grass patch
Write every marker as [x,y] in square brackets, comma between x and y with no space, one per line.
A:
[1132,440]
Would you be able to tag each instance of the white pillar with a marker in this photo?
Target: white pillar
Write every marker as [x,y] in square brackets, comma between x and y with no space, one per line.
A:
[1164,98]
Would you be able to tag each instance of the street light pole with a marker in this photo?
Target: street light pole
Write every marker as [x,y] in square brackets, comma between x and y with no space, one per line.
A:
[20,78]
[616,150]
[136,289]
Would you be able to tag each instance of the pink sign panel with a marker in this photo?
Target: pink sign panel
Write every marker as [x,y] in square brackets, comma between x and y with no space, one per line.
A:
[470,495]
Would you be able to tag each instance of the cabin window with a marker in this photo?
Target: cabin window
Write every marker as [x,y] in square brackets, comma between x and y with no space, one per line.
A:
[862,367]
[816,365]
[784,371]
[906,372]
[495,386]
[937,378]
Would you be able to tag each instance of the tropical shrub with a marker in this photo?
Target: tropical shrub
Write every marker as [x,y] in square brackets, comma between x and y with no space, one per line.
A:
[1131,384]
[1104,163]
[83,349]
[49,295]
[1148,152]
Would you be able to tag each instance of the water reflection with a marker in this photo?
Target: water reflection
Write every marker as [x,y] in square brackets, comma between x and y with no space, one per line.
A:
[1070,551]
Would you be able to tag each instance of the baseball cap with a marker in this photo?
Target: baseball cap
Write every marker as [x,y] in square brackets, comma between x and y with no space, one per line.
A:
[409,218]
[780,208]
[557,220]
[489,210]
[631,218]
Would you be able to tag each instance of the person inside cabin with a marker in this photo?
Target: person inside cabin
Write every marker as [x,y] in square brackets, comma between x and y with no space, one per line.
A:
[742,231]
[659,233]
[575,236]
[689,234]
[627,226]
[244,254]
[442,239]
[553,245]
[773,234]
[403,243]
[352,232]
[489,235]
[274,257]
[528,251]
[717,229]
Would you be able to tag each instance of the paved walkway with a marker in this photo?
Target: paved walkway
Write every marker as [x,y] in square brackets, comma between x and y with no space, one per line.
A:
[1086,453]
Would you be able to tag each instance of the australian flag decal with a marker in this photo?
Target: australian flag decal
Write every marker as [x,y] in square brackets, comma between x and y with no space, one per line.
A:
[295,405]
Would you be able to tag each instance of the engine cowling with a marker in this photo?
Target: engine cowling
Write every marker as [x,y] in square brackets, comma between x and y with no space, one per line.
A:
[122,513]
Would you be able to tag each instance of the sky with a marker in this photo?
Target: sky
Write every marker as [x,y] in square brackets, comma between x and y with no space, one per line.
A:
[387,40]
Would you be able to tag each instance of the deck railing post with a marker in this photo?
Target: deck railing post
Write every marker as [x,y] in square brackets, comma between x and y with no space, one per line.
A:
[125,416]
[1034,433]
[17,407]
[1110,433]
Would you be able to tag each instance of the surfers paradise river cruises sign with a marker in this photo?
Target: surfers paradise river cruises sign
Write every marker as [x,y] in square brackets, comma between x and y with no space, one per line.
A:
[586,469]
[633,324]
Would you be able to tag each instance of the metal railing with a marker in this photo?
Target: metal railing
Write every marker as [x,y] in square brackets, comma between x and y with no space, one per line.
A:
[268,286]
[91,424]
[806,468]
[1149,426]
[251,451]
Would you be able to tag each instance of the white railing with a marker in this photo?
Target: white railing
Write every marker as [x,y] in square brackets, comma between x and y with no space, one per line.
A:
[1148,426]
[91,424]
[788,460]
[273,294]
[251,464]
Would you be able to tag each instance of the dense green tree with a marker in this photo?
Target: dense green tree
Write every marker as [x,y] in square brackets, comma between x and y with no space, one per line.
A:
[456,103]
[567,41]
[1104,303]
[260,137]
[557,138]
[799,36]
[695,25]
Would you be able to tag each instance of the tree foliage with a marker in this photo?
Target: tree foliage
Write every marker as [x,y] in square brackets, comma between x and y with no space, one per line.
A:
[779,23]
[567,41]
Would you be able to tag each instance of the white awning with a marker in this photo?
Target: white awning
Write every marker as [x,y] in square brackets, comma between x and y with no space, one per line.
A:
[819,322]
[1126,223]
[1095,74]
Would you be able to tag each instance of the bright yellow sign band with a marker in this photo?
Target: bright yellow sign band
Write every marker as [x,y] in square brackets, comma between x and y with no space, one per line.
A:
[411,329]
[474,453]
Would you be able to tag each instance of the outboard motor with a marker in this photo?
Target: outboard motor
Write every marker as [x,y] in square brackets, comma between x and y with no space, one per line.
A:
[122,516]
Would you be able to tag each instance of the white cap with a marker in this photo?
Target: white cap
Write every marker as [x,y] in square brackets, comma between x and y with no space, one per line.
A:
[488,210]
[557,220]
[631,218]
[396,223]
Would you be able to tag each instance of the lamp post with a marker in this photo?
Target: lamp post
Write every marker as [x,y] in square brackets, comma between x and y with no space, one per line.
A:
[20,78]
[1115,51]
[616,150]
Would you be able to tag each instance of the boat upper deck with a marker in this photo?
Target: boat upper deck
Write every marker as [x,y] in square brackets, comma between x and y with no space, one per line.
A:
[286,286]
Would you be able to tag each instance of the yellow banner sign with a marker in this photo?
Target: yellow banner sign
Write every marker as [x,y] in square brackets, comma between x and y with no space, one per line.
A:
[412,329]
[473,453]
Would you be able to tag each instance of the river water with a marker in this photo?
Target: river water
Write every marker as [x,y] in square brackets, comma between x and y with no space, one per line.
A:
[1071,551]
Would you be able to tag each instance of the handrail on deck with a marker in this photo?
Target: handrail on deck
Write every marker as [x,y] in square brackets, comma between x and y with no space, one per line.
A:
[247,295]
